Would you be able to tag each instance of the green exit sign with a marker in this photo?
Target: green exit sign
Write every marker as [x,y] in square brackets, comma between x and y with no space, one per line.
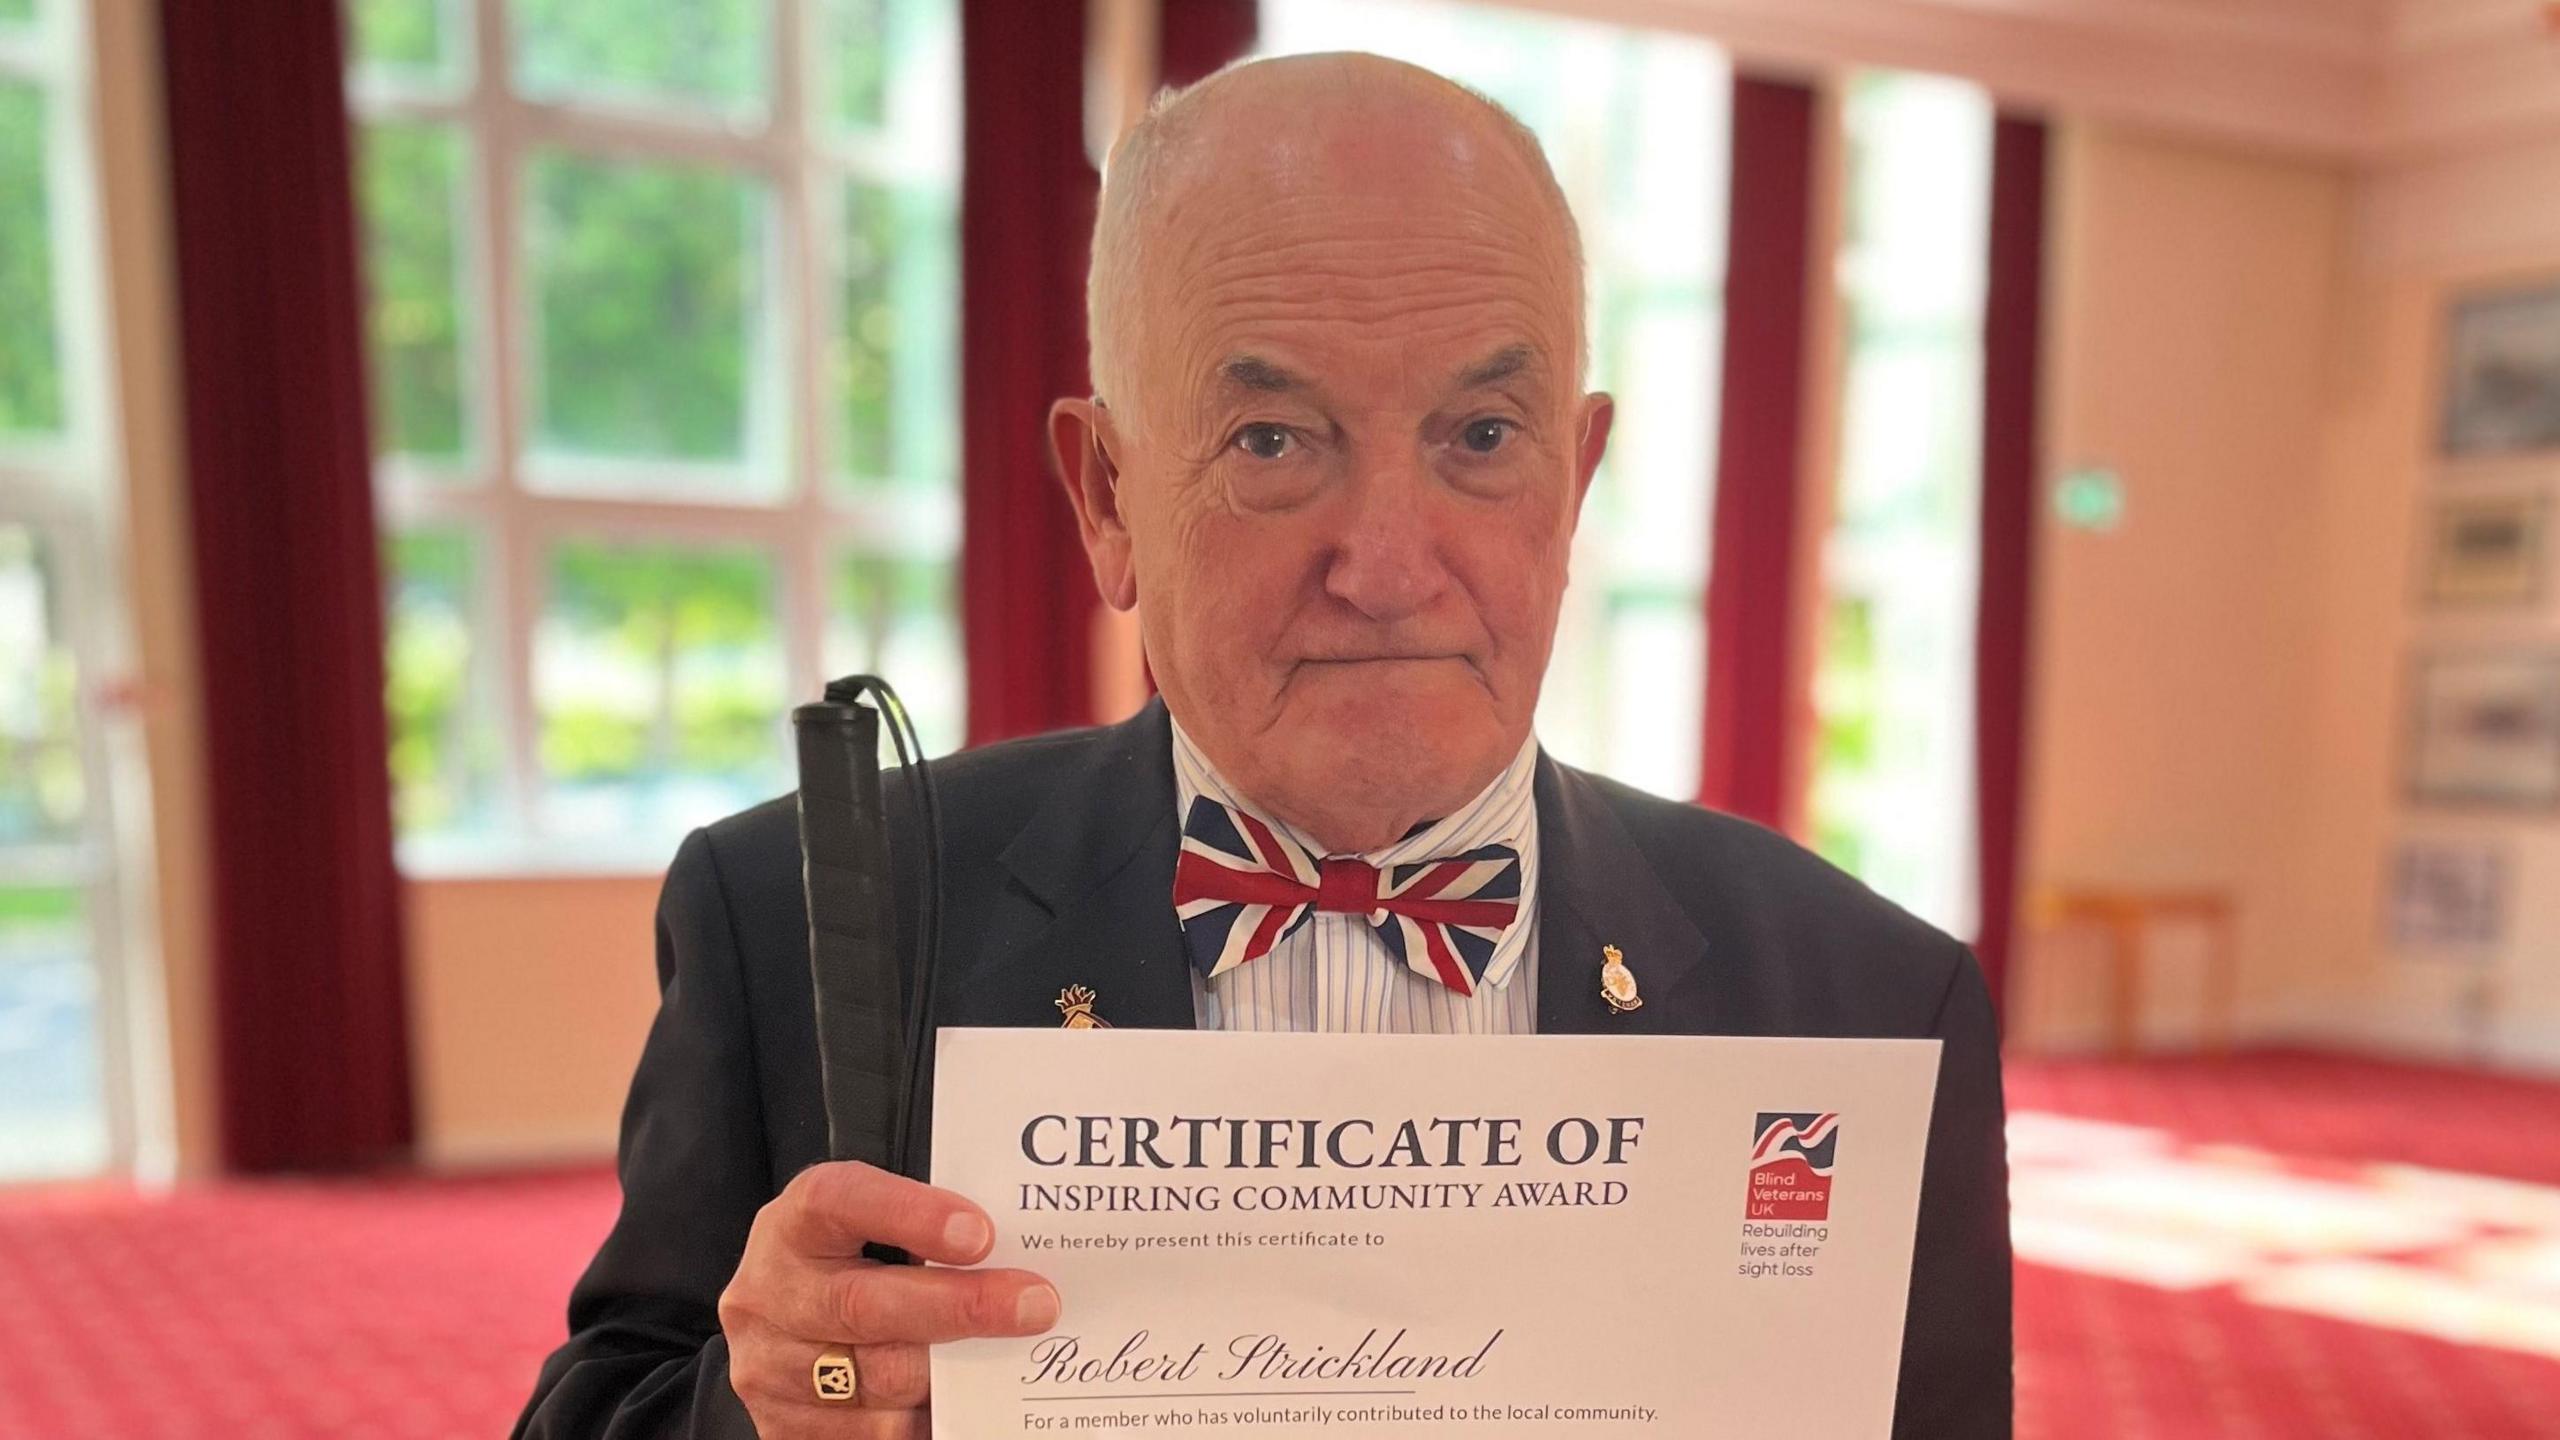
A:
[2089,498]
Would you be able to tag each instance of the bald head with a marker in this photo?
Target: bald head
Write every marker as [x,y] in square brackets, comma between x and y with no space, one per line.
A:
[1340,442]
[1349,133]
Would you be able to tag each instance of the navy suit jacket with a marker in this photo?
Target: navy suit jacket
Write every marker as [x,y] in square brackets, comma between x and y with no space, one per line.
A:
[1058,870]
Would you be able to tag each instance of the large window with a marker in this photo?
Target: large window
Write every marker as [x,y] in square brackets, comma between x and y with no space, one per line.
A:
[1636,125]
[63,1061]
[663,322]
[1893,772]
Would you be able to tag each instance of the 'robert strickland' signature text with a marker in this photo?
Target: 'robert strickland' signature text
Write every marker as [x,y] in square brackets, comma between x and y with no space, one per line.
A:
[1067,1360]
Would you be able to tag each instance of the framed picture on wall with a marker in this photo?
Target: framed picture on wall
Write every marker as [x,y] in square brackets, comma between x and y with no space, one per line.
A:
[2485,730]
[2487,549]
[2502,372]
[2447,895]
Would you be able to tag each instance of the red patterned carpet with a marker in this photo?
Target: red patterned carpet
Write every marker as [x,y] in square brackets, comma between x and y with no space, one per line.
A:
[2277,1246]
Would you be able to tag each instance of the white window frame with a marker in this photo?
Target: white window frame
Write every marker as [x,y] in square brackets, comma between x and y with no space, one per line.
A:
[68,492]
[806,530]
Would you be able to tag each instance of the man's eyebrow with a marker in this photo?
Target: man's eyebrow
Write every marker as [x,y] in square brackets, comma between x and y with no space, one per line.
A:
[1252,372]
[1504,363]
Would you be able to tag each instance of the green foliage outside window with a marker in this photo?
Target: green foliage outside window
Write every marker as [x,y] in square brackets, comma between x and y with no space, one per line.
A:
[43,909]
[647,298]
[398,34]
[859,37]
[443,753]
[895,616]
[661,659]
[30,360]
[865,360]
[897,364]
[42,793]
[709,51]
[1845,737]
[646,277]
[410,176]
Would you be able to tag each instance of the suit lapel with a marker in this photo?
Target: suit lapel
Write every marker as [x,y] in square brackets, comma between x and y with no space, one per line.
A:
[1096,861]
[1597,888]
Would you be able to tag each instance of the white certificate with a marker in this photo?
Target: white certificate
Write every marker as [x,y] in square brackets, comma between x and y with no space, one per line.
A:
[1320,1235]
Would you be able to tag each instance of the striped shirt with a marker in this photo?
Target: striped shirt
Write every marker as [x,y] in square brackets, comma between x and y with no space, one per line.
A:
[1333,973]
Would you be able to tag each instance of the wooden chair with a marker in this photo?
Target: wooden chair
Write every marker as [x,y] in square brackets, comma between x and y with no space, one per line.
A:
[2126,916]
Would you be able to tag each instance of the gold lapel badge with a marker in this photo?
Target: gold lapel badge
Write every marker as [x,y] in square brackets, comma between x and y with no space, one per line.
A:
[1617,982]
[1076,1003]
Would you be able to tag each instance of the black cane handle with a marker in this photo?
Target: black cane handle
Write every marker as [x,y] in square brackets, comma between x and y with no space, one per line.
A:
[853,942]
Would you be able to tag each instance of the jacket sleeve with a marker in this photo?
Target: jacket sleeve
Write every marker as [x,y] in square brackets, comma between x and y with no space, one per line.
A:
[1956,1342]
[645,1355]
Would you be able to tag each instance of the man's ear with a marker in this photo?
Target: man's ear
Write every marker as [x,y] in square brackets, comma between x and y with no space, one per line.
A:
[1080,441]
[1598,410]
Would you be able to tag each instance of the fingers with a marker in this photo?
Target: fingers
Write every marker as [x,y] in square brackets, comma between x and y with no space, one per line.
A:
[893,1377]
[833,1210]
[874,1304]
[887,1377]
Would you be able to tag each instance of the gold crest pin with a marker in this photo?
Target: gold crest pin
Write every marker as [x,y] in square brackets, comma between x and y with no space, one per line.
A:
[1617,982]
[1076,1003]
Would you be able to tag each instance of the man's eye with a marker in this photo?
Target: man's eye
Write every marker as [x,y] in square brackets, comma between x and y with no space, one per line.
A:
[1265,441]
[1486,436]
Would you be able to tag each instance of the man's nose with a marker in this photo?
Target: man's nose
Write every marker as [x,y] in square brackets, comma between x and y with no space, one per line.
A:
[1387,560]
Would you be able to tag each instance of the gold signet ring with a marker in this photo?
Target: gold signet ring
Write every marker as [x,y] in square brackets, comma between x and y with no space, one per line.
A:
[834,1378]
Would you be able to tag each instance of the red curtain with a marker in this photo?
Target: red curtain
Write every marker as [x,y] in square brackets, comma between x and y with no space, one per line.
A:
[312,1041]
[1195,37]
[1026,219]
[1750,726]
[2012,316]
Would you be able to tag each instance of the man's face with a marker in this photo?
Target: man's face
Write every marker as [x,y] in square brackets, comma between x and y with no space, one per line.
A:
[1350,470]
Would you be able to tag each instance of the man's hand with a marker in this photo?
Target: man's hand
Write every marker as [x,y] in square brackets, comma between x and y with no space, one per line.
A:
[803,1290]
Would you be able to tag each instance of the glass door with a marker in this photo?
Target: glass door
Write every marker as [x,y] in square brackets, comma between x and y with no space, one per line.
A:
[56,899]
[66,1048]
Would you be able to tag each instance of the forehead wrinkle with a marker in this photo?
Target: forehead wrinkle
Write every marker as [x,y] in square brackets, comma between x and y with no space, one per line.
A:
[1286,286]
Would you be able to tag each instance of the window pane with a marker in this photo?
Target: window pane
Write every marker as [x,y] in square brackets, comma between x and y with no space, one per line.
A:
[648,285]
[892,65]
[409,40]
[52,1106]
[898,618]
[30,361]
[896,367]
[858,37]
[413,207]
[711,52]
[43,794]
[659,683]
[444,742]
[1893,767]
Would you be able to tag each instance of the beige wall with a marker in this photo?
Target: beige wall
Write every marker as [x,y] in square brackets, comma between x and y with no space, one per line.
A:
[2353,987]
[2188,337]
[529,999]
[2252,342]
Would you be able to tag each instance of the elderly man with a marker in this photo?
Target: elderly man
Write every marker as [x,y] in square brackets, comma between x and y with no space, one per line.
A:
[1335,463]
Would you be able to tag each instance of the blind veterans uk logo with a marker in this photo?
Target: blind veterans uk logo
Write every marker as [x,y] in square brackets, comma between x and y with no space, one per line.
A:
[1791,1158]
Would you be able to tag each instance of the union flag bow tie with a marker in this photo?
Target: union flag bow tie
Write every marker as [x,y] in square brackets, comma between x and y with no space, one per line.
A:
[1241,888]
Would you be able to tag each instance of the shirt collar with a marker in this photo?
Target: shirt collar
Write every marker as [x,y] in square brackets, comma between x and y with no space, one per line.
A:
[1503,813]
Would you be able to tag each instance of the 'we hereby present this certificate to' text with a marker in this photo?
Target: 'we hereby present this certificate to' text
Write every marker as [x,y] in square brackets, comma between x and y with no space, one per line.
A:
[1320,1235]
